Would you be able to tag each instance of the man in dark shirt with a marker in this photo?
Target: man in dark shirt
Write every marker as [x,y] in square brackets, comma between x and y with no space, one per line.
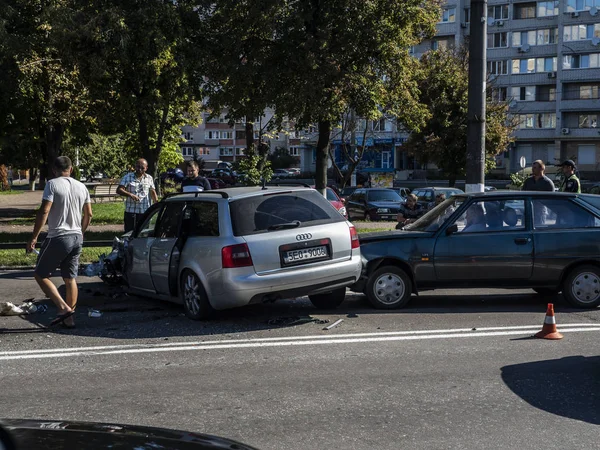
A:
[571,182]
[538,181]
[193,182]
[409,211]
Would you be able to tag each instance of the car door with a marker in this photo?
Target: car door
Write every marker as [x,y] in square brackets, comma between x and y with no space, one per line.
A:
[164,252]
[488,243]
[138,251]
[564,232]
[355,206]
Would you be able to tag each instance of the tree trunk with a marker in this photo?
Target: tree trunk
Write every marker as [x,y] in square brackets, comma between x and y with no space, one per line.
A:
[249,127]
[451,179]
[322,154]
[32,177]
[51,148]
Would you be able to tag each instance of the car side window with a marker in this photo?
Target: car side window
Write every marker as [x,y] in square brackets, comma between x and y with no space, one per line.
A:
[561,213]
[168,226]
[148,227]
[428,196]
[202,219]
[492,216]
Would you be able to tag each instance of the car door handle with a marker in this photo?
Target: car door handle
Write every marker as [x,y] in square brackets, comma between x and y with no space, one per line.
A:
[522,241]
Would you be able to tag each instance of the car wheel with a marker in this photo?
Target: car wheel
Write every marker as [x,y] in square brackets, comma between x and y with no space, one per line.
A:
[546,291]
[582,287]
[193,295]
[389,287]
[329,300]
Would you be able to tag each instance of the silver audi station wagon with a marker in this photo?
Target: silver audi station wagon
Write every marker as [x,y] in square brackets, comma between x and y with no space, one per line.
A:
[226,248]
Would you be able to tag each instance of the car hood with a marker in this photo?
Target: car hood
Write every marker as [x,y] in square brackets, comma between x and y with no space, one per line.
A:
[385,204]
[393,234]
[61,434]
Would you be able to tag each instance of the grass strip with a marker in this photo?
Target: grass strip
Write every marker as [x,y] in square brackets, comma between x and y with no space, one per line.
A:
[17,258]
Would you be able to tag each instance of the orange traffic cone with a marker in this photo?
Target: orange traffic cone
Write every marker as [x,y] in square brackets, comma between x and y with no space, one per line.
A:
[549,328]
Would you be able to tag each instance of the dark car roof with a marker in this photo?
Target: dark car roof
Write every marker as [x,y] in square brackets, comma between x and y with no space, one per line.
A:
[521,194]
[439,187]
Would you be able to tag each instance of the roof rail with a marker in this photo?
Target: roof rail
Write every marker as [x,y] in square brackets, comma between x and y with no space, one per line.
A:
[291,183]
[221,193]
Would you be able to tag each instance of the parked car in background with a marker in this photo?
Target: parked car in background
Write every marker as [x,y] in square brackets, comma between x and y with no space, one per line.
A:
[294,171]
[176,175]
[228,176]
[426,196]
[402,191]
[373,204]
[226,248]
[478,241]
[216,183]
[337,202]
[281,173]
[347,192]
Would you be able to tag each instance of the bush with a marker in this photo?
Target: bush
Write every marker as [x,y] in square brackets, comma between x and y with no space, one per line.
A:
[76,173]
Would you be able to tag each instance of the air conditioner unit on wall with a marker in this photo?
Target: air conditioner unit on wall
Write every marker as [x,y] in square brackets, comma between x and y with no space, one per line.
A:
[565,131]
[500,23]
[551,74]
[575,14]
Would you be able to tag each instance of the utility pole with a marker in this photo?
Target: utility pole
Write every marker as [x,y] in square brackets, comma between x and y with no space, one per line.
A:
[476,105]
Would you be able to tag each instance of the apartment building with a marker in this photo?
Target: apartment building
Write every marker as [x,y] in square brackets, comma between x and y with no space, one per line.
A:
[544,58]
[215,139]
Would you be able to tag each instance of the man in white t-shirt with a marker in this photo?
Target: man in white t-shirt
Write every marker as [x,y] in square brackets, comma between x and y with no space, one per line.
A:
[67,208]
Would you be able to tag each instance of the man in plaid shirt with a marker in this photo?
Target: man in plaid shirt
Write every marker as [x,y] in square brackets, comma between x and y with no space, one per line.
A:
[139,192]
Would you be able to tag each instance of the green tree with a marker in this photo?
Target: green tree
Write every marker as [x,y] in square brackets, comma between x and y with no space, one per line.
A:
[443,83]
[142,66]
[349,54]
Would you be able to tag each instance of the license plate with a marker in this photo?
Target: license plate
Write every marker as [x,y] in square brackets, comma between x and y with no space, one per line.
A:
[304,254]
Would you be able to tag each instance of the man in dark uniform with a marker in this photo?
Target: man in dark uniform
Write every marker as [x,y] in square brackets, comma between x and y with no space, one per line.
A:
[571,182]
[193,182]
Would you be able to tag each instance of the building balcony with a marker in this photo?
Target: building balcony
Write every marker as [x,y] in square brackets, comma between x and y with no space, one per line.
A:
[579,133]
[523,107]
[580,74]
[532,24]
[588,104]
[536,134]
[534,51]
[446,28]
[581,46]
[530,79]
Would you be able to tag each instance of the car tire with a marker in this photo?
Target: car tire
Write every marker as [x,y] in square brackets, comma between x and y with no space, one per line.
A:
[546,291]
[194,298]
[329,300]
[581,288]
[389,287]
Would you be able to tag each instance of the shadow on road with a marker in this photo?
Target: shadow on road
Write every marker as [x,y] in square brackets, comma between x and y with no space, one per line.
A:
[567,387]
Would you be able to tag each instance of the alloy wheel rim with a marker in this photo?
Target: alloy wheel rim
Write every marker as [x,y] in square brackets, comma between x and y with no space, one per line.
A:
[586,287]
[389,288]
[192,294]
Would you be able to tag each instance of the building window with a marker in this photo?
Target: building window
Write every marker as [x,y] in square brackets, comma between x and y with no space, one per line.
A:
[523,37]
[294,151]
[497,40]
[442,43]
[212,134]
[532,121]
[226,151]
[546,93]
[588,92]
[581,5]
[581,61]
[239,151]
[588,120]
[523,93]
[203,151]
[586,154]
[449,15]
[226,134]
[467,15]
[546,9]
[524,10]
[498,12]
[547,36]
[581,32]
[187,151]
[533,65]
[497,67]
[187,136]
[499,94]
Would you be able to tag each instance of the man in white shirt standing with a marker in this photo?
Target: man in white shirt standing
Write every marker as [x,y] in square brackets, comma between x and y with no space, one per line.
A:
[63,202]
[139,192]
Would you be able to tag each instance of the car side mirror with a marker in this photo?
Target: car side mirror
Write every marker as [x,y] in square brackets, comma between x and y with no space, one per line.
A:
[343,200]
[451,229]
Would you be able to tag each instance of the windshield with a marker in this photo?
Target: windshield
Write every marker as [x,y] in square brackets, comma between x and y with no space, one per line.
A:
[434,219]
[384,195]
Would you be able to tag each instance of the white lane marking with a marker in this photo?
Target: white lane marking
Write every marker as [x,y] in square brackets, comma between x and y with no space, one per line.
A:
[270,343]
[289,338]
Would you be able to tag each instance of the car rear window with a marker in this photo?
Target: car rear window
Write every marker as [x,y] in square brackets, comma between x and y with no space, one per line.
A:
[384,195]
[331,195]
[593,200]
[256,214]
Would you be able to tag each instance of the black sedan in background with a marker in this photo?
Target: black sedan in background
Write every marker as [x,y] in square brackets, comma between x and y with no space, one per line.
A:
[481,240]
[373,204]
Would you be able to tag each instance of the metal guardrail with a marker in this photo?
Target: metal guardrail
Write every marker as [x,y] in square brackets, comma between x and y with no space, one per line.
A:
[21,245]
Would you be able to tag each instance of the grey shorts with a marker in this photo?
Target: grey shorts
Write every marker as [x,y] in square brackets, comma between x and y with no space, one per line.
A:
[60,251]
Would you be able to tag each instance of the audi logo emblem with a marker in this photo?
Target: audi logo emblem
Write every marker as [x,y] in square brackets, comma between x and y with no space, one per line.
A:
[303,237]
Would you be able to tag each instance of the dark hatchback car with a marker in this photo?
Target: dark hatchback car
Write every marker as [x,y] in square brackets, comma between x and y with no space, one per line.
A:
[373,204]
[426,195]
[479,241]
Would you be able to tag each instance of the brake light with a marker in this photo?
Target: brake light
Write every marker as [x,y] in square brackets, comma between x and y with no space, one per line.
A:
[234,256]
[354,242]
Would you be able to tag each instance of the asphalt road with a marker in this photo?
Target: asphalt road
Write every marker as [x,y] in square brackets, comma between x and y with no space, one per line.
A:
[456,369]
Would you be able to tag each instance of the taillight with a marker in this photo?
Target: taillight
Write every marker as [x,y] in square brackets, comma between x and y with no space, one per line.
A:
[236,256]
[355,243]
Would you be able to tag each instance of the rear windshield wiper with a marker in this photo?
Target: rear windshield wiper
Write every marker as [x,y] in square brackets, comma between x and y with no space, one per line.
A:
[280,226]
